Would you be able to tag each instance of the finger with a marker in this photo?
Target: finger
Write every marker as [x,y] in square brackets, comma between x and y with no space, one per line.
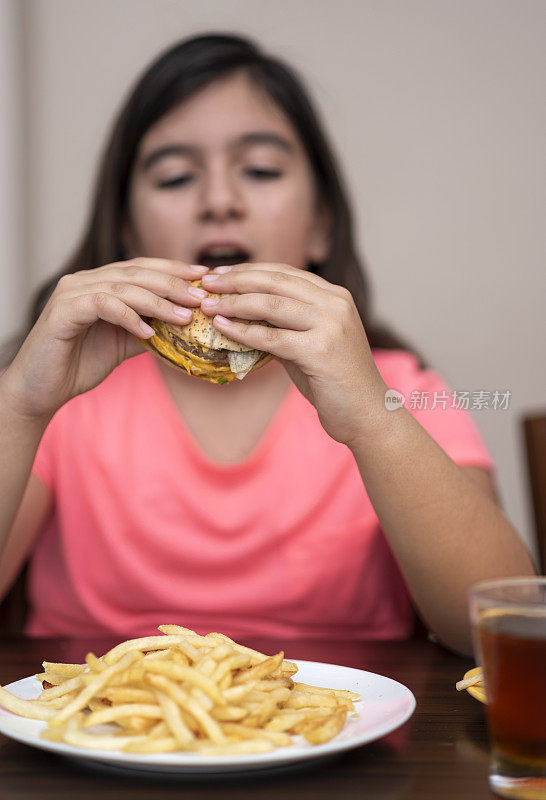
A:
[266,282]
[276,341]
[144,302]
[171,266]
[286,269]
[283,312]
[100,305]
[162,284]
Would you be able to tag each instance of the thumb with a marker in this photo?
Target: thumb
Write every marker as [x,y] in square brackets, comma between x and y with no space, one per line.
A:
[133,347]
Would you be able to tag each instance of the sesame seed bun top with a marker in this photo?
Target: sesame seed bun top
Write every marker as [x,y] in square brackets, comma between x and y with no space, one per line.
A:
[202,332]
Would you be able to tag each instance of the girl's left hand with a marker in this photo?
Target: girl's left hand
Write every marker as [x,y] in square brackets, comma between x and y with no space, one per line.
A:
[318,337]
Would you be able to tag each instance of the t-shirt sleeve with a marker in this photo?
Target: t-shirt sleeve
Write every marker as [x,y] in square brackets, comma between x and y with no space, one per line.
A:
[430,400]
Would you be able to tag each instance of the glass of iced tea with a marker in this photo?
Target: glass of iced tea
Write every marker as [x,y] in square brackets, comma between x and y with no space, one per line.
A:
[509,629]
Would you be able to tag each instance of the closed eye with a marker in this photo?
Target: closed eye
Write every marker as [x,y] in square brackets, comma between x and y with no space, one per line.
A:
[181,180]
[263,174]
[255,173]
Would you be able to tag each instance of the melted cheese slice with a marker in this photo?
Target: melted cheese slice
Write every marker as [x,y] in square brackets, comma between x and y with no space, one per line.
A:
[194,365]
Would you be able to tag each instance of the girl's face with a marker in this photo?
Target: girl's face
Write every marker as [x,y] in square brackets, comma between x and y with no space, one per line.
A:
[222,179]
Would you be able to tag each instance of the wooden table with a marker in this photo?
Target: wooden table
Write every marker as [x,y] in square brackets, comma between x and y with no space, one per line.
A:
[439,754]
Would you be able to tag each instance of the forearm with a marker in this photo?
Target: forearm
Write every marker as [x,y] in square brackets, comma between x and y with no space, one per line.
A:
[19,440]
[444,530]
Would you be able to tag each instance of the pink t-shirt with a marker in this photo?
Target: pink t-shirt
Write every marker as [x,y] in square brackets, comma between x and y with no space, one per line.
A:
[146,529]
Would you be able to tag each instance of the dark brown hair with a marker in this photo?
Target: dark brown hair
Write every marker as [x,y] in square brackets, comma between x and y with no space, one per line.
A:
[179,72]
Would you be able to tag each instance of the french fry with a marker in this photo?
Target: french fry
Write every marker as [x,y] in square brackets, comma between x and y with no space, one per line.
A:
[95,664]
[229,713]
[255,656]
[97,741]
[267,667]
[262,713]
[25,708]
[344,693]
[113,713]
[288,669]
[176,630]
[473,680]
[128,694]
[62,689]
[136,725]
[289,720]
[180,673]
[173,718]
[86,694]
[236,693]
[206,666]
[60,702]
[229,663]
[51,678]
[67,670]
[192,707]
[318,732]
[148,643]
[159,729]
[275,683]
[98,704]
[244,732]
[308,699]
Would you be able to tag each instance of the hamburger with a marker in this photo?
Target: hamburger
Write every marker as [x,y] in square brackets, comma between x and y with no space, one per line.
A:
[201,350]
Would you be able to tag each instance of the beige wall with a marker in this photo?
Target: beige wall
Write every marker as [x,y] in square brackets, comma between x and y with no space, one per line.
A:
[436,108]
[12,278]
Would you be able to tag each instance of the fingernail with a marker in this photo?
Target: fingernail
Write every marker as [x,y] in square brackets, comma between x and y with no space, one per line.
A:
[222,270]
[199,268]
[209,277]
[195,292]
[180,311]
[208,302]
[147,330]
[222,320]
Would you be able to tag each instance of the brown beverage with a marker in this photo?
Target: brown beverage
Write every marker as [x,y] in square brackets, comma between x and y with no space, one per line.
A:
[513,646]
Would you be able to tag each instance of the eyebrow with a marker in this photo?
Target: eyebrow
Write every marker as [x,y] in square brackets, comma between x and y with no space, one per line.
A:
[246,140]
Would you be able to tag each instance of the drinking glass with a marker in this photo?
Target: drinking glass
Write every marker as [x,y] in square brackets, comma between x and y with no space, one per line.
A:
[509,632]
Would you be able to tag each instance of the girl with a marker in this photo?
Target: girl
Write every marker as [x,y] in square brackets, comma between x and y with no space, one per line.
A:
[293,503]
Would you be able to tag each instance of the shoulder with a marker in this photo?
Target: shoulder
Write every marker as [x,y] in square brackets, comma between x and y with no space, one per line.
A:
[432,402]
[98,419]
[401,367]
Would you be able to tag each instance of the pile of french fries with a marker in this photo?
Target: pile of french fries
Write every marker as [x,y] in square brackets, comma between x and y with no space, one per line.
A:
[183,692]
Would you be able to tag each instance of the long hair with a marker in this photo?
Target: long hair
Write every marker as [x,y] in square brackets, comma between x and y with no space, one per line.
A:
[177,74]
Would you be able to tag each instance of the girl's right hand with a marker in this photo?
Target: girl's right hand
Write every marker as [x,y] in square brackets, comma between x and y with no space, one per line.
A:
[89,325]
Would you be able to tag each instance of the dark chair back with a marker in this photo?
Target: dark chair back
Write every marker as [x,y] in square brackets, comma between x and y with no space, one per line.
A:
[14,607]
[534,431]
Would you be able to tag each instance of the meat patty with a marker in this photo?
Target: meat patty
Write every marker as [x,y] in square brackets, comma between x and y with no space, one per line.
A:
[216,356]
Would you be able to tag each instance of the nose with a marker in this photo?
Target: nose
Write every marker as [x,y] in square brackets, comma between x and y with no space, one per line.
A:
[220,199]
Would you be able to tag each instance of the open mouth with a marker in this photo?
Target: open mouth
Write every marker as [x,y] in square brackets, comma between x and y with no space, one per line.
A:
[222,256]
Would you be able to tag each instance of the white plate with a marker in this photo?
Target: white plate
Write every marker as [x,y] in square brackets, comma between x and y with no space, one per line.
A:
[385,705]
